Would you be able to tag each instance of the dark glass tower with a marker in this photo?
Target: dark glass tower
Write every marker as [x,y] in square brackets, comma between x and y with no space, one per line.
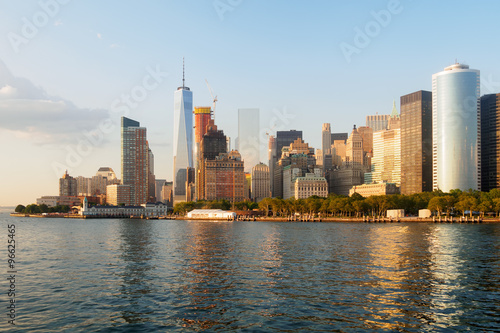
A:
[490,142]
[416,142]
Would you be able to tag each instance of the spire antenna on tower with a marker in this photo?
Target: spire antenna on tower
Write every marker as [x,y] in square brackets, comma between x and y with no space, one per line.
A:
[183,85]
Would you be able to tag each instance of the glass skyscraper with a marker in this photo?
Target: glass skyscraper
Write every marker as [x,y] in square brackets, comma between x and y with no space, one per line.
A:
[456,128]
[248,143]
[183,139]
[134,160]
[416,142]
[490,142]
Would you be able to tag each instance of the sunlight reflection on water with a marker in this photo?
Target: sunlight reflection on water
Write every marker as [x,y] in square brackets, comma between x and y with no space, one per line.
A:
[122,275]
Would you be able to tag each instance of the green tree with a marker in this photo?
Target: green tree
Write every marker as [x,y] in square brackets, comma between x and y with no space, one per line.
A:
[313,204]
[276,205]
[466,202]
[241,205]
[346,206]
[44,208]
[437,204]
[485,203]
[450,201]
[335,206]
[496,205]
[377,204]
[265,205]
[421,200]
[442,203]
[32,209]
[20,209]
[356,196]
[252,205]
[360,206]
[324,206]
[494,193]
[182,208]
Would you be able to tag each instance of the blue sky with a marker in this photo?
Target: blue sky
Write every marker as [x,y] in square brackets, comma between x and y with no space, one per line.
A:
[67,77]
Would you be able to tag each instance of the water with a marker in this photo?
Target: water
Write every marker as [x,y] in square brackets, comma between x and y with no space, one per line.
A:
[178,276]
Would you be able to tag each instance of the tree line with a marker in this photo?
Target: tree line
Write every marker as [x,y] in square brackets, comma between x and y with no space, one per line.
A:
[43,208]
[449,203]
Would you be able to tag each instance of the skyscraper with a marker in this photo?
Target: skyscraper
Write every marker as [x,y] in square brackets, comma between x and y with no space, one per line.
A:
[456,136]
[183,138]
[67,185]
[386,160]
[106,172]
[134,160]
[367,137]
[224,178]
[248,142]
[283,139]
[151,177]
[212,145]
[339,136]
[377,122]
[118,195]
[490,142]
[416,142]
[326,140]
[202,118]
[354,148]
[260,182]
[298,155]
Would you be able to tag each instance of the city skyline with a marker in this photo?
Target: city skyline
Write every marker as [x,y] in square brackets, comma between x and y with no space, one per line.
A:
[65,83]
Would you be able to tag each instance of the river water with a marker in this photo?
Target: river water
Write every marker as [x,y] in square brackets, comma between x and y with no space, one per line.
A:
[114,275]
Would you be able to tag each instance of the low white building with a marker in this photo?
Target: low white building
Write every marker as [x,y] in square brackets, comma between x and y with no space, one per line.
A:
[395,213]
[145,210]
[211,214]
[367,190]
[310,185]
[50,201]
[424,213]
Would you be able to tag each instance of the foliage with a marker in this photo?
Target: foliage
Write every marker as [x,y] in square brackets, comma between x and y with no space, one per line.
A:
[338,205]
[43,208]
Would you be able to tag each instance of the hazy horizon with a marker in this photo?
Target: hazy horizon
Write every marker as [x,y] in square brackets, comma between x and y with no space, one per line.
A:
[69,70]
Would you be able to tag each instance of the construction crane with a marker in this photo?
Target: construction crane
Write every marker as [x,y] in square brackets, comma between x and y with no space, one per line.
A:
[213,98]
[270,131]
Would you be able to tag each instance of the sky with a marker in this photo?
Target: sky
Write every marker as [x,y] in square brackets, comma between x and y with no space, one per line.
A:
[69,69]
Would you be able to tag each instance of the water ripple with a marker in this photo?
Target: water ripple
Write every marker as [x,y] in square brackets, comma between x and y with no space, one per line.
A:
[150,276]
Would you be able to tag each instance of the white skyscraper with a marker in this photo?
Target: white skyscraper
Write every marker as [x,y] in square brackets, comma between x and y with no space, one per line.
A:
[456,128]
[183,138]
[248,142]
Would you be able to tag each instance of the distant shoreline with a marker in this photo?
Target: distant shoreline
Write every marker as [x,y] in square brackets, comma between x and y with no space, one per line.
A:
[280,219]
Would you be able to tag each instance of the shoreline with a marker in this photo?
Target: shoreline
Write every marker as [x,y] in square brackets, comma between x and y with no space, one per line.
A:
[282,219]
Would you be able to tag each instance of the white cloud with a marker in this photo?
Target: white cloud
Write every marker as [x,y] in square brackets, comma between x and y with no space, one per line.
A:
[99,35]
[32,114]
[7,92]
